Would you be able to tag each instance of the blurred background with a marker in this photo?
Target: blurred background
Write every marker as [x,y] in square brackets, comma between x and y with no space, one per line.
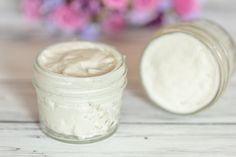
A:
[91,20]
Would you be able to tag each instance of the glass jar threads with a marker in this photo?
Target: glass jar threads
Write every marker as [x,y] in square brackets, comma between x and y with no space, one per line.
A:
[79,86]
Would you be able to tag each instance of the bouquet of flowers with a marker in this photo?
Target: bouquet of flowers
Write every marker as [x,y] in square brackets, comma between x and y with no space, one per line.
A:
[88,18]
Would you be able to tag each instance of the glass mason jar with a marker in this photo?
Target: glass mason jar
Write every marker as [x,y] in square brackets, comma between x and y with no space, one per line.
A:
[79,109]
[221,47]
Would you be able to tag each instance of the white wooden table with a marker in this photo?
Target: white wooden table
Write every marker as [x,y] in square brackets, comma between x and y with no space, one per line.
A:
[145,130]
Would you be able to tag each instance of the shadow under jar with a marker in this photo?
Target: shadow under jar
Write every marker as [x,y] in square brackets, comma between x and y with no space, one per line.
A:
[187,66]
[79,87]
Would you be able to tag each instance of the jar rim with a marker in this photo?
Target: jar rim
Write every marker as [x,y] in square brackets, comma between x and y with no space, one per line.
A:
[121,62]
[218,56]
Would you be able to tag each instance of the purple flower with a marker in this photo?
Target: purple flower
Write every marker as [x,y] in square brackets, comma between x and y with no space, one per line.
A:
[145,5]
[116,4]
[90,32]
[114,22]
[158,20]
[50,5]
[89,7]
[165,5]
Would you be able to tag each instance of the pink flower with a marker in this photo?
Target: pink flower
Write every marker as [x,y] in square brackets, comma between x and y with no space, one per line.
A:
[32,9]
[186,8]
[116,4]
[113,23]
[144,5]
[68,19]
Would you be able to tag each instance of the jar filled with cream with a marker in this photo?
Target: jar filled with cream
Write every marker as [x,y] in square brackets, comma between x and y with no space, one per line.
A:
[79,87]
[187,66]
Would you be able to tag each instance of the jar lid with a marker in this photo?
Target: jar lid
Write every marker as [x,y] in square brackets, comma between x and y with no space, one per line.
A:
[179,72]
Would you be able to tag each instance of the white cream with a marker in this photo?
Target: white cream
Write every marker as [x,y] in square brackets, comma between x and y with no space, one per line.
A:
[80,62]
[179,73]
[80,119]
[85,107]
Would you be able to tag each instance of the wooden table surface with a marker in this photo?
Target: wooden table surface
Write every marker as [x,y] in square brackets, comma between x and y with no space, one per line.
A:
[145,130]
